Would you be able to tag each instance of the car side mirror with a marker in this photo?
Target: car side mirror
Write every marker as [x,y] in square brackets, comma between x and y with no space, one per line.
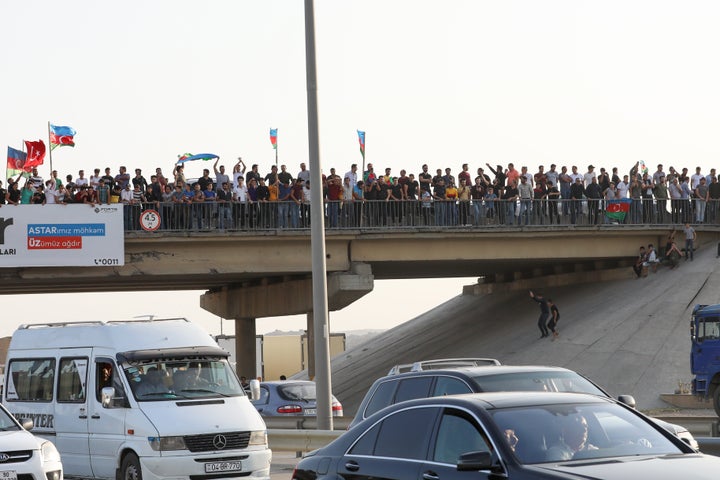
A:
[254,389]
[28,424]
[106,396]
[474,461]
[628,400]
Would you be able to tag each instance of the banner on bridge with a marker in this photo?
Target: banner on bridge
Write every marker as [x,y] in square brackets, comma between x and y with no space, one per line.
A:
[61,236]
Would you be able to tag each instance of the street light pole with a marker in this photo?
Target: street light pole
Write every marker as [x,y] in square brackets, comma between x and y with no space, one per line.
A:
[317,234]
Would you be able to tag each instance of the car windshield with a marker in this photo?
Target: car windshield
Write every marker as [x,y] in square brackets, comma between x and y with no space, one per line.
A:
[558,433]
[173,378]
[304,392]
[542,381]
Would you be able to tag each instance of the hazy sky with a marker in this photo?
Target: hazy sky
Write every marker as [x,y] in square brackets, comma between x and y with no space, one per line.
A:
[438,82]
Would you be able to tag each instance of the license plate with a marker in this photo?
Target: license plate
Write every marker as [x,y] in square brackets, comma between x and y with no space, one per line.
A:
[8,475]
[310,411]
[219,467]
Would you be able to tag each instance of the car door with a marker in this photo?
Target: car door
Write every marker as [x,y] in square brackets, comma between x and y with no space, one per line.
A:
[106,425]
[393,449]
[457,432]
[71,411]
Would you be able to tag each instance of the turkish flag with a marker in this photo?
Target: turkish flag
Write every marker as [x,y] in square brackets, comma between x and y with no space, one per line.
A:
[35,154]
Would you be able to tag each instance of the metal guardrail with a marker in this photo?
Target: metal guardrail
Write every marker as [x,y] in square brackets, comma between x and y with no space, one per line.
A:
[303,423]
[412,214]
[289,440]
[697,425]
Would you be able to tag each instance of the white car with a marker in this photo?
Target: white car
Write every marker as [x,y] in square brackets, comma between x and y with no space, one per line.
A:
[23,456]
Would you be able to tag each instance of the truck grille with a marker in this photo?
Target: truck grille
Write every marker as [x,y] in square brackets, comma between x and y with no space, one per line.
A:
[217,441]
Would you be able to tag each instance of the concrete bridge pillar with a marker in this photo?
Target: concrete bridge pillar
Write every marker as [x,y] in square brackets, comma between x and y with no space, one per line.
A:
[245,348]
[274,297]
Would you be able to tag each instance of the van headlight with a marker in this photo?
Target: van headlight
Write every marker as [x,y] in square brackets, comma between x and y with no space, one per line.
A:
[49,452]
[164,444]
[258,437]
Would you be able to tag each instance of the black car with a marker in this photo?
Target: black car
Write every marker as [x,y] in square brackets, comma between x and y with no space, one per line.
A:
[507,435]
[434,378]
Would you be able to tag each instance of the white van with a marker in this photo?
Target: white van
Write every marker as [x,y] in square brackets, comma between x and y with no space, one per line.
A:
[135,400]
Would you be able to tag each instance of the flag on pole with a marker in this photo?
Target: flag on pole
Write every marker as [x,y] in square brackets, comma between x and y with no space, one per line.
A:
[273,137]
[15,162]
[617,209]
[61,136]
[361,139]
[35,154]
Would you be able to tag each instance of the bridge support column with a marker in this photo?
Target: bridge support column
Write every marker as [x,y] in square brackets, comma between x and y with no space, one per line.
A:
[245,348]
[275,297]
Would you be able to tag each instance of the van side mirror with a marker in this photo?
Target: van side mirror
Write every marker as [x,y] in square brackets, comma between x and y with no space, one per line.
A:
[106,396]
[254,389]
[628,400]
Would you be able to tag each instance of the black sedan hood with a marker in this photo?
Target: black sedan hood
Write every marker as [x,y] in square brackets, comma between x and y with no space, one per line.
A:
[687,466]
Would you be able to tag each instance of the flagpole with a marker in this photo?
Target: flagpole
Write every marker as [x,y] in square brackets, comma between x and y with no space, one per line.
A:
[363,154]
[50,149]
[276,154]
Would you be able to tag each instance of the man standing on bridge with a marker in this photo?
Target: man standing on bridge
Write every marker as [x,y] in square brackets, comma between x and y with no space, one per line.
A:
[544,313]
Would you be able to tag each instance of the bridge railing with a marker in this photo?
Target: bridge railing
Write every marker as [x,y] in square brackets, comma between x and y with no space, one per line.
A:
[380,214]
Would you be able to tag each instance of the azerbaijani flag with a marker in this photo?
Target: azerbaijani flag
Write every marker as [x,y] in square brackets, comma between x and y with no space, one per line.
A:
[361,139]
[15,162]
[617,209]
[35,154]
[61,136]
[273,137]
[199,156]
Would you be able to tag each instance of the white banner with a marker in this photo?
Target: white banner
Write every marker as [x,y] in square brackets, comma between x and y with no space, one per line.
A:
[61,236]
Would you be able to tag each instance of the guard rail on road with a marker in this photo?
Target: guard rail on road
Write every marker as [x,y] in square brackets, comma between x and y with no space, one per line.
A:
[289,440]
[303,423]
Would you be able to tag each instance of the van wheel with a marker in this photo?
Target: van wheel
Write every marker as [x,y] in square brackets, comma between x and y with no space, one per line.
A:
[130,468]
[716,400]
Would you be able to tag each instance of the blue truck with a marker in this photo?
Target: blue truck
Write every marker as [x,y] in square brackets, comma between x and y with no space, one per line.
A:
[705,354]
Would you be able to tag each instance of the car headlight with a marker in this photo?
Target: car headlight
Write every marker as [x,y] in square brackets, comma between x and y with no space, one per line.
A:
[164,444]
[258,437]
[49,452]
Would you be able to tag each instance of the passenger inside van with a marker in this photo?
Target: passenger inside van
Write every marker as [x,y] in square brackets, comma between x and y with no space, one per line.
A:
[152,382]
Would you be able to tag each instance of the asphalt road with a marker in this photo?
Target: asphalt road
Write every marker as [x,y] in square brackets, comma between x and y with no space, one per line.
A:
[282,465]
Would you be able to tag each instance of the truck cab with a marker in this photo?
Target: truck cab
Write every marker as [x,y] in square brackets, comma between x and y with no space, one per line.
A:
[705,353]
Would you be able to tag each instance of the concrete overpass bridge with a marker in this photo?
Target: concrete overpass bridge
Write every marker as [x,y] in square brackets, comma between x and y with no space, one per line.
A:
[248,276]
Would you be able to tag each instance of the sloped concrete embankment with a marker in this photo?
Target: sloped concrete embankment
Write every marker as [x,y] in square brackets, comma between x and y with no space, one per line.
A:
[631,336]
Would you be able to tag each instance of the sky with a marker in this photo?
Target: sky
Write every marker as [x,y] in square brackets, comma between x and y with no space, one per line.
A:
[438,82]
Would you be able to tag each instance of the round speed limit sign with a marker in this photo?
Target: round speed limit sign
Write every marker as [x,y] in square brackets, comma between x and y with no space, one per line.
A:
[150,220]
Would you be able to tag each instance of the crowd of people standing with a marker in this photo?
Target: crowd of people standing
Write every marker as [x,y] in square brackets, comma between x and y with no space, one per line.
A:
[246,198]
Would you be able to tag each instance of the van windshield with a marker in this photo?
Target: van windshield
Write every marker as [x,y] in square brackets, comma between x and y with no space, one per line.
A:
[170,379]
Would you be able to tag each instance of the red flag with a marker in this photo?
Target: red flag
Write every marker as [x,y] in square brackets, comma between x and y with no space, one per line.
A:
[35,154]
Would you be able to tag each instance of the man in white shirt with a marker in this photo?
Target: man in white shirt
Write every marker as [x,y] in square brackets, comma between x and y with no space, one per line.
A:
[622,187]
[575,175]
[352,174]
[50,192]
[588,177]
[95,179]
[81,180]
[695,179]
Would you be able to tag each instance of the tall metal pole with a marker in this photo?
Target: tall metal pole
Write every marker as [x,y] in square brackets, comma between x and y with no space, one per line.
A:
[317,234]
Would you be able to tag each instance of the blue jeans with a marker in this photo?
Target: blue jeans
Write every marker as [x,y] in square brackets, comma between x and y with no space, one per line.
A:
[294,214]
[525,210]
[283,214]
